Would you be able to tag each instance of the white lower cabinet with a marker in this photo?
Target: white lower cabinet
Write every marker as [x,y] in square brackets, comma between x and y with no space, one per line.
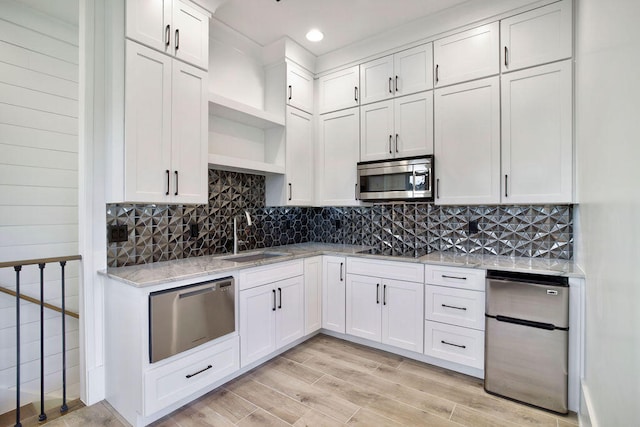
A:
[382,309]
[333,293]
[312,294]
[271,316]
[454,302]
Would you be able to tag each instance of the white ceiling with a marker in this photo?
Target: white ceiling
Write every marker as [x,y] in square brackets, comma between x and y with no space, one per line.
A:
[343,22]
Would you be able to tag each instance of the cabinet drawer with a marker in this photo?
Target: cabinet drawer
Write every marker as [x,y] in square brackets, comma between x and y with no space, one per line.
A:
[455,344]
[407,271]
[455,277]
[460,307]
[252,277]
[176,380]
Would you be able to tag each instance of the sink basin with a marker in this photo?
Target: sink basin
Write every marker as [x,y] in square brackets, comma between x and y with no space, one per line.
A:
[255,256]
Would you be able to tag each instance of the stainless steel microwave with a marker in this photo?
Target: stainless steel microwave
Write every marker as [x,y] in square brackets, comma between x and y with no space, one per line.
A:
[401,179]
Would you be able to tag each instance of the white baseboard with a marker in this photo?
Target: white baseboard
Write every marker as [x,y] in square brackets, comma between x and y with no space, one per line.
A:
[586,415]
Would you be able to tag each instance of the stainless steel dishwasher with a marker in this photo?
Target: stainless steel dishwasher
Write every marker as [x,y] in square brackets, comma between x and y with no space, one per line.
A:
[527,329]
[185,317]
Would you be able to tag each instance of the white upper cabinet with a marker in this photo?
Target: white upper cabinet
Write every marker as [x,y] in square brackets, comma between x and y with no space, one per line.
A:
[537,159]
[337,155]
[403,73]
[299,163]
[537,37]
[339,90]
[401,127]
[299,88]
[467,143]
[175,27]
[165,156]
[465,56]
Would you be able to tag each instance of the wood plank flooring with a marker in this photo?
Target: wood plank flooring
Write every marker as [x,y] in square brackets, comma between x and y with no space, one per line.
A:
[330,382]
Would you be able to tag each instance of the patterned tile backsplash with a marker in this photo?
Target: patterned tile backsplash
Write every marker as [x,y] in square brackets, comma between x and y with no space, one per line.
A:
[163,232]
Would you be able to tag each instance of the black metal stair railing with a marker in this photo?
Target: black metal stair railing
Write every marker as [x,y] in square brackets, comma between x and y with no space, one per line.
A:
[41,263]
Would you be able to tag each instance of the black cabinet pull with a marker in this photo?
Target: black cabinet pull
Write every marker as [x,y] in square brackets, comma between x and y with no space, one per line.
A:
[506,53]
[356,192]
[454,307]
[290,191]
[396,142]
[390,139]
[341,276]
[176,193]
[168,179]
[199,372]
[506,183]
[444,276]
[378,293]
[290,92]
[437,188]
[167,35]
[437,76]
[454,345]
[390,83]
[396,83]
[384,295]
[280,294]
[274,300]
[177,39]
[355,93]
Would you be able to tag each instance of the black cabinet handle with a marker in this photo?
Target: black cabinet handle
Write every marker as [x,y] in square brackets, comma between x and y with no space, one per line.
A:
[454,345]
[390,139]
[396,83]
[177,39]
[454,307]
[280,294]
[437,188]
[167,35]
[290,92]
[355,93]
[168,184]
[199,372]
[390,83]
[356,191]
[506,183]
[437,76]
[274,299]
[506,55]
[341,275]
[444,276]
[176,193]
[290,191]
[378,293]
[384,295]
[396,142]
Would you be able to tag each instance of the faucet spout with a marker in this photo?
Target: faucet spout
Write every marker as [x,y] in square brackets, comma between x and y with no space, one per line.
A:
[235,230]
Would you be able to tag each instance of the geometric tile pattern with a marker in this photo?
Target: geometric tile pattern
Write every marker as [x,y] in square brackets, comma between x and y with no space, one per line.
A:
[163,232]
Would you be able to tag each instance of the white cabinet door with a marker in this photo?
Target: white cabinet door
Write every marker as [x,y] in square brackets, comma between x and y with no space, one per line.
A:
[376,131]
[299,158]
[469,55]
[537,156]
[467,143]
[376,82]
[190,35]
[257,323]
[413,70]
[364,307]
[339,90]
[413,125]
[338,153]
[189,135]
[333,293]
[402,314]
[290,310]
[147,161]
[299,88]
[536,37]
[149,22]
[312,294]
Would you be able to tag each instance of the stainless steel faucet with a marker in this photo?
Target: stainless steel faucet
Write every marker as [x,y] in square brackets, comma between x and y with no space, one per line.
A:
[235,230]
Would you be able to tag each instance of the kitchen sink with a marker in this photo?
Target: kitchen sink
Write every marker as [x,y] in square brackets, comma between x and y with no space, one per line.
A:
[255,256]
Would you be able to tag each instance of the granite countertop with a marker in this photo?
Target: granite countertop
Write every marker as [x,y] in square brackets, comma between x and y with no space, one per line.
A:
[169,271]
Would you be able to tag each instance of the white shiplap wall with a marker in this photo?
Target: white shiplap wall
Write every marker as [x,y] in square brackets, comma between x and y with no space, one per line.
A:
[38,189]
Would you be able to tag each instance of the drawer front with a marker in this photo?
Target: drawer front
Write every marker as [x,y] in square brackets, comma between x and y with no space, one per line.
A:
[406,271]
[455,344]
[176,380]
[252,277]
[455,277]
[459,307]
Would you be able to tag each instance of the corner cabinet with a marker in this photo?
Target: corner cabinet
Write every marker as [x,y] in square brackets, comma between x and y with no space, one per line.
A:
[299,88]
[339,90]
[165,149]
[175,27]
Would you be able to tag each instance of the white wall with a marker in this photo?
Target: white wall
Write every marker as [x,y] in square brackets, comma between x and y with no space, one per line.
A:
[608,153]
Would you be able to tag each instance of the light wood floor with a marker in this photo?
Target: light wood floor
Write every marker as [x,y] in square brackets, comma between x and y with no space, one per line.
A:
[330,382]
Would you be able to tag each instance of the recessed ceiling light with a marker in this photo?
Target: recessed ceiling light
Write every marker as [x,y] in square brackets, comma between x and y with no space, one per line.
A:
[315,35]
